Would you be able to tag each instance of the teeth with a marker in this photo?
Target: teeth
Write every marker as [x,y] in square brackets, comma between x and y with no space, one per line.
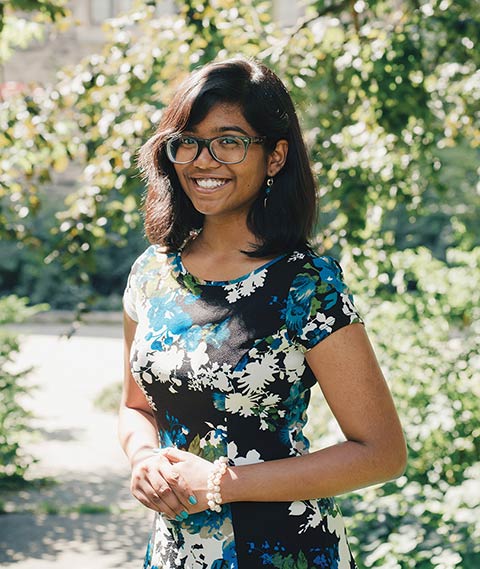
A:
[210,182]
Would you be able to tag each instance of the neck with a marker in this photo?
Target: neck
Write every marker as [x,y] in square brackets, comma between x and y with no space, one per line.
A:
[226,236]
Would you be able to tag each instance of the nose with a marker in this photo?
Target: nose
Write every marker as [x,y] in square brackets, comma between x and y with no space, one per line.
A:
[205,159]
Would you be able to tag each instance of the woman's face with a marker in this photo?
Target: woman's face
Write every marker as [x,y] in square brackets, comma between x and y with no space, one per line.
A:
[226,190]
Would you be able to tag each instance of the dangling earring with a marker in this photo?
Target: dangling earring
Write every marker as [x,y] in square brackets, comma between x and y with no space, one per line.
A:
[268,189]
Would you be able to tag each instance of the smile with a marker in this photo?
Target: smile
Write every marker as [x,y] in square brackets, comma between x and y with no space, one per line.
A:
[210,183]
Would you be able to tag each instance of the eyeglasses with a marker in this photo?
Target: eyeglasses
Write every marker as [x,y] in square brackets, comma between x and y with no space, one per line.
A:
[225,149]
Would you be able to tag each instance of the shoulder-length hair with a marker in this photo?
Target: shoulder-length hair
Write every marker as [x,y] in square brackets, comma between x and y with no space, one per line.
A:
[287,219]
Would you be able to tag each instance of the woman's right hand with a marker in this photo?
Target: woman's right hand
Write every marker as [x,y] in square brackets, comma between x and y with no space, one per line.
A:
[157,486]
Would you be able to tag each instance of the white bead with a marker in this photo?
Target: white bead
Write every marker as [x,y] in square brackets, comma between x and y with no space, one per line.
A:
[214,495]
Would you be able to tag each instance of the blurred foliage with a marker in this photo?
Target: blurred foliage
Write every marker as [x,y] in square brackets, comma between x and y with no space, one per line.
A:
[386,94]
[14,419]
[24,21]
[389,96]
[424,318]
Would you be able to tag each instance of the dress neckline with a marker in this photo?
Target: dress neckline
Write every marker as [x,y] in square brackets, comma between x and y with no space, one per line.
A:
[178,264]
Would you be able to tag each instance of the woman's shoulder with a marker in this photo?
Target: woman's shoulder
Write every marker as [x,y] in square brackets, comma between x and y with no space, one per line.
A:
[307,260]
[153,254]
[155,261]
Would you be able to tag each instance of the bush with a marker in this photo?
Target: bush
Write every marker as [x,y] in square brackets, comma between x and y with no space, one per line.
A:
[430,517]
[14,419]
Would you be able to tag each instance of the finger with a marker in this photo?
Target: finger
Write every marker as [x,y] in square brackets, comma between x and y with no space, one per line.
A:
[164,486]
[153,500]
[182,489]
[165,499]
[151,487]
[174,454]
[171,489]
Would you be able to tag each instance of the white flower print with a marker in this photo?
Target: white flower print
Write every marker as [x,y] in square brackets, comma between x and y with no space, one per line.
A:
[215,436]
[309,507]
[221,382]
[166,361]
[240,403]
[321,321]
[211,375]
[252,456]
[336,525]
[198,357]
[258,374]
[348,307]
[271,399]
[294,361]
[295,256]
[140,365]
[263,425]
[246,286]
[234,293]
[297,508]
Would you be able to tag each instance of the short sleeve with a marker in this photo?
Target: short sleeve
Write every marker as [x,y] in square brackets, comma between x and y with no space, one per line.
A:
[130,294]
[318,302]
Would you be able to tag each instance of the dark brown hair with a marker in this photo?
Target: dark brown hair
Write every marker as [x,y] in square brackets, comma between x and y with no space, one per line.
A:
[287,220]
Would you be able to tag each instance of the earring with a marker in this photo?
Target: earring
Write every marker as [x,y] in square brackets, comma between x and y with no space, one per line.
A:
[268,189]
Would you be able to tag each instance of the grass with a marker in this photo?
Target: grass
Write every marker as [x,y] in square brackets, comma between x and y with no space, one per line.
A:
[16,482]
[54,509]
[108,399]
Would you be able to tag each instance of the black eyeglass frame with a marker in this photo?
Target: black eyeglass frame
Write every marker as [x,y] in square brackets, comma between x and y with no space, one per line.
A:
[206,143]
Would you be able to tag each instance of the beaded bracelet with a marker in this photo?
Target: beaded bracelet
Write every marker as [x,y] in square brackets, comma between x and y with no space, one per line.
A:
[214,496]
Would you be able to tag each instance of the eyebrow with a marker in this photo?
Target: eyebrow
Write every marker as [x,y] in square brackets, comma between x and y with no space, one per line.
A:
[229,128]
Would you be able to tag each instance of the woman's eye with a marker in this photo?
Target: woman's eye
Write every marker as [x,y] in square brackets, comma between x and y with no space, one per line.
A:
[229,140]
[187,140]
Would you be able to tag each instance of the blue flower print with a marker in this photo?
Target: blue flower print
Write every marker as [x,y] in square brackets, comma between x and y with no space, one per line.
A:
[192,337]
[165,312]
[299,302]
[176,262]
[230,555]
[296,404]
[148,555]
[218,334]
[219,400]
[330,272]
[328,558]
[316,336]
[206,522]
[175,435]
[267,558]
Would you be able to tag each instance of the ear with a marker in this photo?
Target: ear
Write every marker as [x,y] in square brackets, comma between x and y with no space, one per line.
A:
[277,158]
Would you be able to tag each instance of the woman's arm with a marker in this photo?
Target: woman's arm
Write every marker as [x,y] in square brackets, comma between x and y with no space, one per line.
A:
[374,451]
[153,482]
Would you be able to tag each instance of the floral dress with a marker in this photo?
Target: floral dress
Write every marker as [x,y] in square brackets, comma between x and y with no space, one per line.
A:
[222,365]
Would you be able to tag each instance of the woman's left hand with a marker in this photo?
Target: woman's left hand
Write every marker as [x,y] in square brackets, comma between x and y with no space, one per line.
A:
[194,470]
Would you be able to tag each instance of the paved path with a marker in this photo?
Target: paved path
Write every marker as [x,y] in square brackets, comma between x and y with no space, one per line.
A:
[77,446]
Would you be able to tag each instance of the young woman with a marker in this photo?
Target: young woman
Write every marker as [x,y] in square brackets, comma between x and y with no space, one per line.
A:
[230,320]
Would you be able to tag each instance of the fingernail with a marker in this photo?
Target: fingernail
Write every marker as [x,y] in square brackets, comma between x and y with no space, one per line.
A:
[179,518]
[192,500]
[184,514]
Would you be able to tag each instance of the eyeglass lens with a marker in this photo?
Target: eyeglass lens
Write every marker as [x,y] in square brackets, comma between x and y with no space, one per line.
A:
[228,149]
